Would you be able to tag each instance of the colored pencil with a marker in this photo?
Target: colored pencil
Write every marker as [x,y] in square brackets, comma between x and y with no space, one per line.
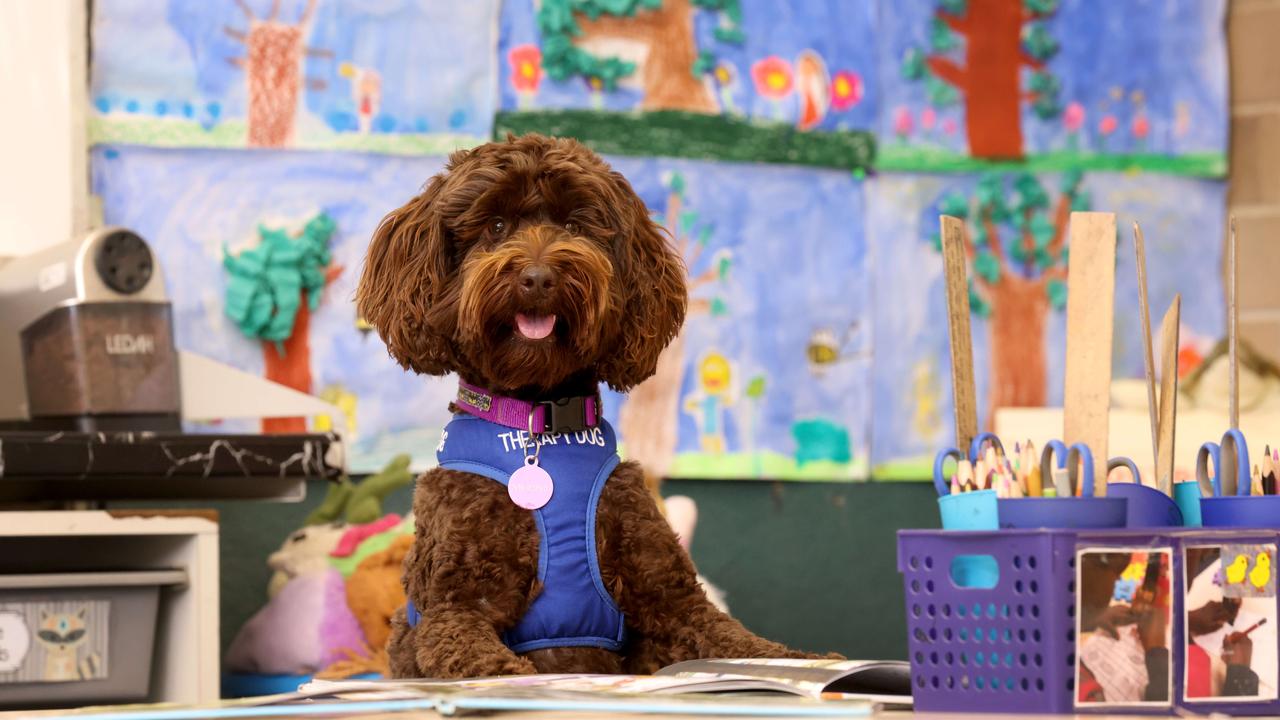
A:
[964,473]
[1256,625]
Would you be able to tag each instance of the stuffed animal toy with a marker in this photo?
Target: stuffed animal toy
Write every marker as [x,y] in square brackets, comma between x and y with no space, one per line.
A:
[307,623]
[534,271]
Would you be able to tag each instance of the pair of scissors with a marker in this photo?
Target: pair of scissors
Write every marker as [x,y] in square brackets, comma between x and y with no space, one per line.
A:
[1071,458]
[940,480]
[1220,485]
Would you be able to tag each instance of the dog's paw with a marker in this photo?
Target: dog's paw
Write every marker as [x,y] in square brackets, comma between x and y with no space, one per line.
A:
[514,666]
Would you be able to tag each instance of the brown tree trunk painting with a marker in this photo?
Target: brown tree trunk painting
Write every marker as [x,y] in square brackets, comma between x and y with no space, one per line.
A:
[291,368]
[648,419]
[990,78]
[1019,312]
[273,70]
[274,52]
[1019,308]
[669,82]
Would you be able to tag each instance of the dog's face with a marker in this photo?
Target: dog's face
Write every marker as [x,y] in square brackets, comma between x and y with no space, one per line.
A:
[524,266]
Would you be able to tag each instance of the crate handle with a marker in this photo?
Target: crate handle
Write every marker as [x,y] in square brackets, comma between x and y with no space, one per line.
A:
[975,572]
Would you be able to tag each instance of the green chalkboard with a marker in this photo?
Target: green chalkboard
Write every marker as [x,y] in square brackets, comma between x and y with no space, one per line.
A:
[810,565]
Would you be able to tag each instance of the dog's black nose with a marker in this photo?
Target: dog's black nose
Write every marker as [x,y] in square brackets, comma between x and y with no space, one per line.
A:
[537,279]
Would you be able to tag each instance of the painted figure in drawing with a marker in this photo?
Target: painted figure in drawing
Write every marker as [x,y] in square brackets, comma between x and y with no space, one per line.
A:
[708,403]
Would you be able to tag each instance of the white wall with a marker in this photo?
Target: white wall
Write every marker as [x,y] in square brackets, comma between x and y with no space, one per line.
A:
[44,176]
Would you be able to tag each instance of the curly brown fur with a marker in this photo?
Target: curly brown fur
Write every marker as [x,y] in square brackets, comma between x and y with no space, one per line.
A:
[540,228]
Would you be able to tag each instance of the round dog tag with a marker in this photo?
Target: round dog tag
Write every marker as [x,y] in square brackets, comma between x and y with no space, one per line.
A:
[530,486]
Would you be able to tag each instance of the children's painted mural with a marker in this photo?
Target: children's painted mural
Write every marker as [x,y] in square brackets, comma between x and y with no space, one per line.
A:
[722,79]
[402,76]
[768,379]
[1058,84]
[1018,272]
[770,376]
[799,153]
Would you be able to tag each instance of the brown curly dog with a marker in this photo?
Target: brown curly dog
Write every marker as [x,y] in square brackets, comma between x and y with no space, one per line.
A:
[540,228]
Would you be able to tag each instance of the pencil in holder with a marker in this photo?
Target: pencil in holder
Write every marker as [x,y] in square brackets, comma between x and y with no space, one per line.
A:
[1234,507]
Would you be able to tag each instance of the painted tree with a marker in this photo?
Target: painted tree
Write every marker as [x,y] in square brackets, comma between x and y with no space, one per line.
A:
[274,52]
[272,289]
[649,418]
[573,31]
[1001,37]
[1017,273]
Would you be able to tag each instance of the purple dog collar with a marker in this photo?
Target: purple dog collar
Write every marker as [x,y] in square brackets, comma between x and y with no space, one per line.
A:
[569,414]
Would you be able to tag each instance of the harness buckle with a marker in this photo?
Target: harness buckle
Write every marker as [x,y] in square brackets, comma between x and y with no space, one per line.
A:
[565,415]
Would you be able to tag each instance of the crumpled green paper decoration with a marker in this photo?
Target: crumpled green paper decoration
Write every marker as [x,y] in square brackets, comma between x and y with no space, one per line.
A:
[265,283]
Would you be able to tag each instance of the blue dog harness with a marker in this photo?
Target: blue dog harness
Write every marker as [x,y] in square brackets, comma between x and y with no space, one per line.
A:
[573,609]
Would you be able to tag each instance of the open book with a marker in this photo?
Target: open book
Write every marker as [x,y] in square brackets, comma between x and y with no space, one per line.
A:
[887,682]
[880,681]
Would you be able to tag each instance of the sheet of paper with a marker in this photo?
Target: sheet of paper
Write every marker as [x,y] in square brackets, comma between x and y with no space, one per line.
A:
[1118,665]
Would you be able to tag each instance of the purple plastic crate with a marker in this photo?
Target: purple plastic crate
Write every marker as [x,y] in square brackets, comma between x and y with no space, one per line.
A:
[1008,647]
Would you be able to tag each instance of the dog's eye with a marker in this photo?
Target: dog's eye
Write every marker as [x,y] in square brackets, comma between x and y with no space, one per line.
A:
[498,227]
[571,228]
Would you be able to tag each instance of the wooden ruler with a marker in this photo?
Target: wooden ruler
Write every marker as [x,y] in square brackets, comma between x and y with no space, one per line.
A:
[954,266]
[1090,315]
[1168,394]
[1231,454]
[1148,363]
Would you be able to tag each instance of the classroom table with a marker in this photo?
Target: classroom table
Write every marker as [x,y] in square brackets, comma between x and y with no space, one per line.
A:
[585,715]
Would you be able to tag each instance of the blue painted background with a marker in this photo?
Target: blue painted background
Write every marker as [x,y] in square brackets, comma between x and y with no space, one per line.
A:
[167,58]
[800,264]
[799,260]
[1171,51]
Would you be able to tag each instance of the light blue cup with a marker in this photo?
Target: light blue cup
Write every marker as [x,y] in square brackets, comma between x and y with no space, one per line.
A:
[975,510]
[1187,496]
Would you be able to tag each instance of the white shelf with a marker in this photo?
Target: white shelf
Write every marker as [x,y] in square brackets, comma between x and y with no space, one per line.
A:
[185,668]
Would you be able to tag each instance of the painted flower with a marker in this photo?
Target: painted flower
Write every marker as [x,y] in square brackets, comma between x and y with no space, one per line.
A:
[725,74]
[950,126]
[1141,126]
[846,90]
[1108,125]
[902,124]
[772,77]
[928,118]
[526,68]
[1073,116]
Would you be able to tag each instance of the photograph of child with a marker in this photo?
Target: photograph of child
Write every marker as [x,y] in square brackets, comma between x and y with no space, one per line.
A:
[1123,632]
[1231,623]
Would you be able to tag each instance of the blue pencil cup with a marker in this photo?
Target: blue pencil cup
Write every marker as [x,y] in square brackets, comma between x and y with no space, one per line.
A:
[969,511]
[1147,507]
[1251,511]
[1187,497]
[1076,512]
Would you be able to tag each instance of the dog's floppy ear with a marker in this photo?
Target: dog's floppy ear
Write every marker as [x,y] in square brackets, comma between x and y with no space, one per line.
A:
[405,283]
[655,296]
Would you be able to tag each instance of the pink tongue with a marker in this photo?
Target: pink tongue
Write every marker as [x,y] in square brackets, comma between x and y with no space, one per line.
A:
[535,327]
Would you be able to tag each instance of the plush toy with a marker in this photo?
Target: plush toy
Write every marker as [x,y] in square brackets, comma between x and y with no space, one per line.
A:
[374,590]
[307,623]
